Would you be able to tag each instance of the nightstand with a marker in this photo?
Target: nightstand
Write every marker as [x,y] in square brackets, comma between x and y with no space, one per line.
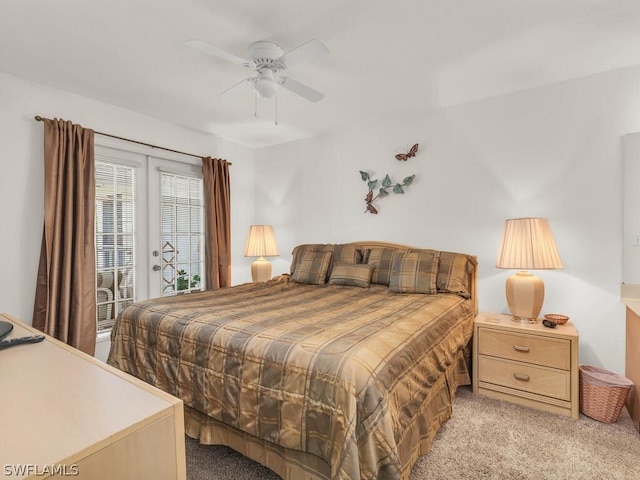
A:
[528,364]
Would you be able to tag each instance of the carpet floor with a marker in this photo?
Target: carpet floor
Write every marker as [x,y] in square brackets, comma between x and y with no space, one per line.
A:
[485,439]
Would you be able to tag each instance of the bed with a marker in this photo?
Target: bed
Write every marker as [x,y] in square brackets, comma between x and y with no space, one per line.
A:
[343,368]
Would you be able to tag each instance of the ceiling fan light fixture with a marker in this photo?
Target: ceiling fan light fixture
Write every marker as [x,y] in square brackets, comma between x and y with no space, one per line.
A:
[267,84]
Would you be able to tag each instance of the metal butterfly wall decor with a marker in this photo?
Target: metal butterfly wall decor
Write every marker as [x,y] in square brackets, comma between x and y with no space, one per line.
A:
[385,185]
[406,156]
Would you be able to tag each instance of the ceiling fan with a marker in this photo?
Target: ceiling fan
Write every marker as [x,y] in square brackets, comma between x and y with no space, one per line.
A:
[269,60]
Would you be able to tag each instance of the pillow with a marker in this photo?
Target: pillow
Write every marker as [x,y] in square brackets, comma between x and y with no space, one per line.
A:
[312,268]
[341,253]
[299,250]
[381,259]
[453,273]
[414,272]
[352,275]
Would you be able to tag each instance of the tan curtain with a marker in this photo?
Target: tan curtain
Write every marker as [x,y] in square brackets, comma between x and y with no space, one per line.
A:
[65,303]
[217,199]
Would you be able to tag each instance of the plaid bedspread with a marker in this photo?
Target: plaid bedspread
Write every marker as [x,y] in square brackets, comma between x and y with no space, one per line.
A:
[337,372]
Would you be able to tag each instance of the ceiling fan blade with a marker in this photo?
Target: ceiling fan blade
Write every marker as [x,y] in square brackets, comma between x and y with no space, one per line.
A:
[304,53]
[207,49]
[301,89]
[240,86]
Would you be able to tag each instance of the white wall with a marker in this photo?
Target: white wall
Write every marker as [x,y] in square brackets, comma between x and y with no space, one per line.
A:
[553,151]
[631,222]
[21,180]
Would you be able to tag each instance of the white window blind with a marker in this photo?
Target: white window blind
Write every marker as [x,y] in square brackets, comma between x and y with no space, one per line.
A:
[115,240]
[182,234]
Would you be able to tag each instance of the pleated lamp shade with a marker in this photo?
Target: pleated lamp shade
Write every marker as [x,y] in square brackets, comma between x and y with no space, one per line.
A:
[261,242]
[527,244]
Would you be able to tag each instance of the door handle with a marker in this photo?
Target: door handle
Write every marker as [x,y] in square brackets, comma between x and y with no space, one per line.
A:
[157,268]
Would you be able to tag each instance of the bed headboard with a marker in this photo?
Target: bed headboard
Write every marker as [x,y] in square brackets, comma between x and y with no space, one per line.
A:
[472,274]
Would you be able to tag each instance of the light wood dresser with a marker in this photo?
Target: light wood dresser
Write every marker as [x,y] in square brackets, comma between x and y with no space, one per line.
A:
[632,361]
[66,414]
[528,364]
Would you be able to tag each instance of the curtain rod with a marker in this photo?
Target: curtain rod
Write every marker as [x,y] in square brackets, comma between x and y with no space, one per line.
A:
[41,119]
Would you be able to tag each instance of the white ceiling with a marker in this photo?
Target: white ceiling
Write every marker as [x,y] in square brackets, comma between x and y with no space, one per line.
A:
[387,57]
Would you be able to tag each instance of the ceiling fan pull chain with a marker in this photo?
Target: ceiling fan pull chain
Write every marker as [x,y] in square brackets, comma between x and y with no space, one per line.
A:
[255,99]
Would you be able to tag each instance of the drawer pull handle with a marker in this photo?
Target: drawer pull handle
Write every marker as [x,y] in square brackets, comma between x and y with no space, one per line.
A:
[521,376]
[520,348]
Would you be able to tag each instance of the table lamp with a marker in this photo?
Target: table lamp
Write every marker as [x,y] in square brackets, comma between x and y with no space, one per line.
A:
[527,244]
[261,243]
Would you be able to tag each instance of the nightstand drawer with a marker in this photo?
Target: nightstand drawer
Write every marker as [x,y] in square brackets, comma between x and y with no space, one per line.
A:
[546,351]
[522,376]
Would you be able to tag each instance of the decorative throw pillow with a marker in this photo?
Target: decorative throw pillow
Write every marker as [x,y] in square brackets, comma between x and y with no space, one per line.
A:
[381,259]
[414,272]
[352,275]
[341,253]
[345,253]
[312,268]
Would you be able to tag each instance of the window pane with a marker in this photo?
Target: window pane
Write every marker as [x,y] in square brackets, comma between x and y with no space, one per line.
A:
[195,248]
[182,190]
[125,214]
[195,191]
[196,219]
[125,250]
[182,218]
[168,218]
[183,246]
[196,281]
[167,189]
[125,283]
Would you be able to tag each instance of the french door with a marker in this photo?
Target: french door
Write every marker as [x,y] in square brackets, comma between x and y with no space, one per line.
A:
[176,228]
[149,229]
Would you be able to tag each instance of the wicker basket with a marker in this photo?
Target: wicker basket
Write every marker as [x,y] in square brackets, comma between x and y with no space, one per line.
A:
[602,393]
[556,317]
